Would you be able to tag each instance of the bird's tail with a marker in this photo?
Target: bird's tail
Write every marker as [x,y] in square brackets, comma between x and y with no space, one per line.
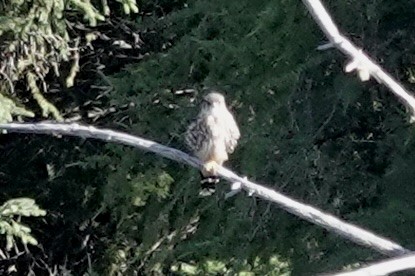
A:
[208,184]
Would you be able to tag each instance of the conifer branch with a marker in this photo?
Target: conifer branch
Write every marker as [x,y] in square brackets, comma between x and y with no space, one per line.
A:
[362,63]
[384,267]
[306,212]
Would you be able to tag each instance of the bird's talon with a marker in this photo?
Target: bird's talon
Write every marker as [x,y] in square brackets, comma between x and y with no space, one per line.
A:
[210,168]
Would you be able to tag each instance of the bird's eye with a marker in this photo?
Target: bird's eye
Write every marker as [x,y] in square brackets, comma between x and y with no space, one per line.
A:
[205,102]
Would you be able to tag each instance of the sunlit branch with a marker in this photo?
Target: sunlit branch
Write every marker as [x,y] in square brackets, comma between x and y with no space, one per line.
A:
[311,214]
[360,62]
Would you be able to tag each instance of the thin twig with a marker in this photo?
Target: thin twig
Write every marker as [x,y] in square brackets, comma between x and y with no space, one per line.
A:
[364,65]
[7,78]
[313,215]
[383,267]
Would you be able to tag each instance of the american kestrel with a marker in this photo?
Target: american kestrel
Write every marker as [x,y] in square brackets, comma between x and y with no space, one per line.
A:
[212,135]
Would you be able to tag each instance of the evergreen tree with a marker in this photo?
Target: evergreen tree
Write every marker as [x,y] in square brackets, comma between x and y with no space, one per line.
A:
[308,130]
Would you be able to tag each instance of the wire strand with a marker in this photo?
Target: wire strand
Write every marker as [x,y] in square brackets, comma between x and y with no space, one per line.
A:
[306,212]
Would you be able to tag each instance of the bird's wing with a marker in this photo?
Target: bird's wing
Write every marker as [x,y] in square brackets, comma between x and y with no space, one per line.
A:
[233,134]
[195,134]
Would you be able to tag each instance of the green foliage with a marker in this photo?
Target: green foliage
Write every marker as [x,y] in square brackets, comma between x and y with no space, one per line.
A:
[36,39]
[275,266]
[9,109]
[236,48]
[308,130]
[305,126]
[10,225]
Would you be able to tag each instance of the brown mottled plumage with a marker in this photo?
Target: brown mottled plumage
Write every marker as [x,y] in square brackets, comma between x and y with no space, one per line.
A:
[213,134]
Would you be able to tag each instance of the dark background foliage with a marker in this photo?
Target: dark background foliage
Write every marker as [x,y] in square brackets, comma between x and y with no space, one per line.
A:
[308,130]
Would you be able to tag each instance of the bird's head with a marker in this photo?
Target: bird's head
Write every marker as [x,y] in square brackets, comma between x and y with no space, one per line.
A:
[213,100]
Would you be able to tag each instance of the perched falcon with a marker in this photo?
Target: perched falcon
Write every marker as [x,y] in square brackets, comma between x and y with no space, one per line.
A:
[212,135]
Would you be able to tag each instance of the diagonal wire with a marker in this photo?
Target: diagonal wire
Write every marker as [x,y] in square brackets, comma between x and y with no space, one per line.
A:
[361,62]
[306,212]
[384,267]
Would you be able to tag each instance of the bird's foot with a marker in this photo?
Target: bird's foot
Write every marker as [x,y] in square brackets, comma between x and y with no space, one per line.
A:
[210,168]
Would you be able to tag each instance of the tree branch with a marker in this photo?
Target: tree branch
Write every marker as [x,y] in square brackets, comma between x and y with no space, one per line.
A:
[306,212]
[383,267]
[365,66]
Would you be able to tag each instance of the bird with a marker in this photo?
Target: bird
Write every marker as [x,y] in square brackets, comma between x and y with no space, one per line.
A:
[212,136]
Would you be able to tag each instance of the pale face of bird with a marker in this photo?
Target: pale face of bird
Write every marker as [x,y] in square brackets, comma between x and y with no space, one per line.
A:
[213,100]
